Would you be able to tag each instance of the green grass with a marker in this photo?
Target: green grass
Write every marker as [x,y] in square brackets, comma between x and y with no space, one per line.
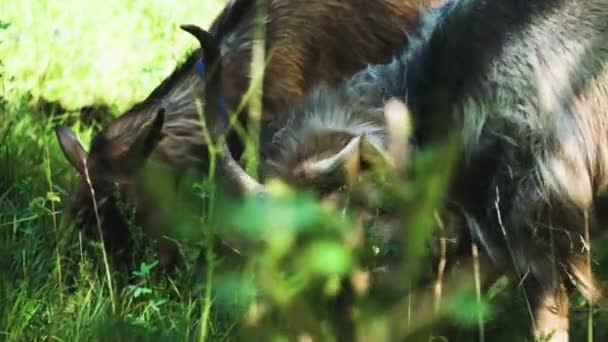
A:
[82,52]
[78,53]
[52,281]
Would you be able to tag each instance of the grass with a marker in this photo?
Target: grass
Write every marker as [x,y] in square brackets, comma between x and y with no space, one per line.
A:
[52,280]
[78,53]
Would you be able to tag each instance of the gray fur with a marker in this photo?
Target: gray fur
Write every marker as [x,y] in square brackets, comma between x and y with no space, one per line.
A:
[524,82]
[355,108]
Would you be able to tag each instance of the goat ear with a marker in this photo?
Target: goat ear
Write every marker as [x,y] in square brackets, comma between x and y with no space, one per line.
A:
[125,158]
[345,163]
[72,148]
[148,137]
[344,166]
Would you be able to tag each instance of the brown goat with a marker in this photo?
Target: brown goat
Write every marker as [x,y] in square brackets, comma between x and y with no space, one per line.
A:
[308,43]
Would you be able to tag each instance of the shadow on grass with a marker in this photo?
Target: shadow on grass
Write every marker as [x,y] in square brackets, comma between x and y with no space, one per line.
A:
[94,114]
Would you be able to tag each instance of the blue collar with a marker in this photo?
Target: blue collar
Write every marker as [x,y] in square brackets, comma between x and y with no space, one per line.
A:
[200,70]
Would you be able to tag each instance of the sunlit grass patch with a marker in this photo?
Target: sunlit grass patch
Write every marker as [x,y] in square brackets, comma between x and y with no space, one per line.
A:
[82,52]
[77,53]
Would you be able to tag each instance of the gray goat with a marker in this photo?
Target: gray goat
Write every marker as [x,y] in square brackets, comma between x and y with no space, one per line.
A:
[524,87]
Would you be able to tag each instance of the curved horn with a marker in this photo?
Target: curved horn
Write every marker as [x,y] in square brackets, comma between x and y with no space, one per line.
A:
[213,84]
[212,88]
[244,183]
[211,52]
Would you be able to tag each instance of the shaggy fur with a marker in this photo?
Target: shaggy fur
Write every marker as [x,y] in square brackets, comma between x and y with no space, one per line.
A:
[307,42]
[305,47]
[523,83]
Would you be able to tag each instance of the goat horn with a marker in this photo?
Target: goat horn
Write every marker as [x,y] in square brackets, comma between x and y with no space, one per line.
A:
[236,174]
[211,54]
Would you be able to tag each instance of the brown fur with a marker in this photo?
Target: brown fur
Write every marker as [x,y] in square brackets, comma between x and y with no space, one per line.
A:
[308,42]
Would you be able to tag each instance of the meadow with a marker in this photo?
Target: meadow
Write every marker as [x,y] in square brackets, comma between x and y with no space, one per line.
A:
[83,63]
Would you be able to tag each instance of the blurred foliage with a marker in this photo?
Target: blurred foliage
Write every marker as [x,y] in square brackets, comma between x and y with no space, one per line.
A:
[310,271]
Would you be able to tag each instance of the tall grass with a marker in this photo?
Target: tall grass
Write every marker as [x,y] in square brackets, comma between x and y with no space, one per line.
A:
[55,285]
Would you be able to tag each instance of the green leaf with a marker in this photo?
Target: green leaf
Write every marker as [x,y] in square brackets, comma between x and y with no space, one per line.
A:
[466,308]
[234,292]
[53,197]
[327,258]
[139,291]
[145,269]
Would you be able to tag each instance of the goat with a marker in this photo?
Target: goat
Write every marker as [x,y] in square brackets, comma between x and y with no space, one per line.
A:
[299,59]
[521,86]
